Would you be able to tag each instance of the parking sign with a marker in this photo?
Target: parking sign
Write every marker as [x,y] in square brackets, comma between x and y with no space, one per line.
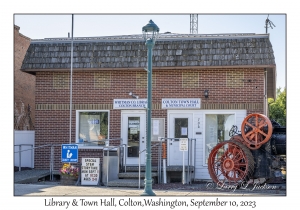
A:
[69,153]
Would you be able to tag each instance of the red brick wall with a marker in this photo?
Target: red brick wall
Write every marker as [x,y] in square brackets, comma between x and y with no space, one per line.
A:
[24,84]
[168,85]
[52,126]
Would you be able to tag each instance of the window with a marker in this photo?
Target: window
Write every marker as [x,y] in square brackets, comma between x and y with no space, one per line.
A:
[181,127]
[133,136]
[217,127]
[92,127]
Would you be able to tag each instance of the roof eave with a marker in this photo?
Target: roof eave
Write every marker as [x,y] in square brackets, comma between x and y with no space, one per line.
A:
[154,68]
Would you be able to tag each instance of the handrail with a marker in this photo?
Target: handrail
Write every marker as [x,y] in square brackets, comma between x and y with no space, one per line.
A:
[102,140]
[45,145]
[194,162]
[124,156]
[140,162]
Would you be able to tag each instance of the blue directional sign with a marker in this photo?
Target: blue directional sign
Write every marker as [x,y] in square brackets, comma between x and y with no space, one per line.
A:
[69,153]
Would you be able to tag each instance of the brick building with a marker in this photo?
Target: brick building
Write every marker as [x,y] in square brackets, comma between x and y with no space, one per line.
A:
[237,71]
[24,85]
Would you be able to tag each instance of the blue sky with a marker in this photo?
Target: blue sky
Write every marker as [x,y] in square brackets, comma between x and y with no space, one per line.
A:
[87,25]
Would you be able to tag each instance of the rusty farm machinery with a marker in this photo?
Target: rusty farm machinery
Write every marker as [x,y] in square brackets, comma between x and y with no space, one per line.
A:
[256,152]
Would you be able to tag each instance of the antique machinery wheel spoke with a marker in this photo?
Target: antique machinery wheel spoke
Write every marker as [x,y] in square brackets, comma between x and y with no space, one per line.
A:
[256,130]
[231,163]
[263,133]
[242,173]
[249,124]
[256,120]
[238,160]
[262,124]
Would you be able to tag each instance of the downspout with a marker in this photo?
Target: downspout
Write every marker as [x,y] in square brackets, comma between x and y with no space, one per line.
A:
[265,94]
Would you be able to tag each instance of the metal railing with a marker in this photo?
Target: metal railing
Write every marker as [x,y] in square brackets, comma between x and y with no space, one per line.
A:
[124,156]
[51,167]
[20,154]
[32,150]
[192,147]
[159,157]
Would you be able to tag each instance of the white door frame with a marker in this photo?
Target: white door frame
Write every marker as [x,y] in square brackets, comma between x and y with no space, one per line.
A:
[124,134]
[172,114]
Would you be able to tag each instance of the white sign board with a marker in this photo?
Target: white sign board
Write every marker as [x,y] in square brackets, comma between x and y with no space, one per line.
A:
[155,127]
[90,171]
[180,103]
[133,123]
[183,144]
[130,103]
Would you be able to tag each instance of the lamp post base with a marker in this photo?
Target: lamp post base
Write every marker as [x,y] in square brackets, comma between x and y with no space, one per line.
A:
[148,193]
[148,189]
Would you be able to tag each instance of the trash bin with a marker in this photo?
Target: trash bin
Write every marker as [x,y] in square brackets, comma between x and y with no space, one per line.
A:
[110,165]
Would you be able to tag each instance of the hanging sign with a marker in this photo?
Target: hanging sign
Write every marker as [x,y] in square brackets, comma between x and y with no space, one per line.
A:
[130,103]
[180,103]
[90,171]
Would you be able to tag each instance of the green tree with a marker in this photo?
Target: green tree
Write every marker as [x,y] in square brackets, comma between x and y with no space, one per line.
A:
[277,108]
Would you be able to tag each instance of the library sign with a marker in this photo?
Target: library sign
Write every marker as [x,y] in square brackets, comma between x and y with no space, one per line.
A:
[181,103]
[130,103]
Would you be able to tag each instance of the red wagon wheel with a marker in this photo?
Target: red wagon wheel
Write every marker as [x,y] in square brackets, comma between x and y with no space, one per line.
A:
[239,138]
[230,163]
[256,130]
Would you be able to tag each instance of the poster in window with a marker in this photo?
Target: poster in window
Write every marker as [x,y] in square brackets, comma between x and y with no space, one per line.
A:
[155,127]
[184,131]
[133,123]
[133,130]
[89,127]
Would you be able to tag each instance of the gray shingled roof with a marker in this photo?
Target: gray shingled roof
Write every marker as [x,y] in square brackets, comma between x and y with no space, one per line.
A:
[171,50]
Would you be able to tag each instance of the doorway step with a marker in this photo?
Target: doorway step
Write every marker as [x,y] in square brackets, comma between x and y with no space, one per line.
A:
[131,177]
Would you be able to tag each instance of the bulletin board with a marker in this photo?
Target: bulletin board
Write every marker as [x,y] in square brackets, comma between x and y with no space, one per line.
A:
[158,128]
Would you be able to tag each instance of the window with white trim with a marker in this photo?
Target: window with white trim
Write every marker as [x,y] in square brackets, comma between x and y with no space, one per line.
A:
[217,127]
[92,127]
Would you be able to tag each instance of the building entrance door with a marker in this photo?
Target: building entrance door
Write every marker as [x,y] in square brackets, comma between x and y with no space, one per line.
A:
[179,126]
[133,132]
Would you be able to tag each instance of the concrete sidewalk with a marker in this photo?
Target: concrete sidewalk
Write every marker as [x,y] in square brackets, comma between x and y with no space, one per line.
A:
[29,183]
[58,190]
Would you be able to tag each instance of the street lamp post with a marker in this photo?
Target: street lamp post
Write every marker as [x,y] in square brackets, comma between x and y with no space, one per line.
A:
[150,32]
